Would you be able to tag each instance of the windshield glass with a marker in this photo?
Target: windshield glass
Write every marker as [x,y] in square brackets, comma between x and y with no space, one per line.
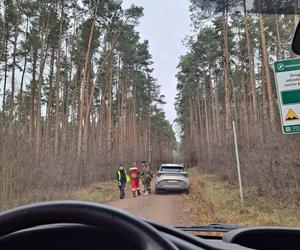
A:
[97,95]
[171,169]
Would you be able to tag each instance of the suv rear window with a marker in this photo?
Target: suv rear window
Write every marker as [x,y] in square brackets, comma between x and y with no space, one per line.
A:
[172,169]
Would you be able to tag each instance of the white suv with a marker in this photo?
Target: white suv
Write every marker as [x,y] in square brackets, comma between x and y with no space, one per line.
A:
[172,177]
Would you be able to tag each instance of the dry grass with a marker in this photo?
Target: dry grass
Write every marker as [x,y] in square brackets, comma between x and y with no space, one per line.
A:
[99,192]
[212,200]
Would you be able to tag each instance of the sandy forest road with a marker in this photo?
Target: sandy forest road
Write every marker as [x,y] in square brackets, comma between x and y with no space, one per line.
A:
[165,208]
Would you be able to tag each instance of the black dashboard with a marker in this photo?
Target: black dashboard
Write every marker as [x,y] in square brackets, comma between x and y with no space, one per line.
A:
[75,225]
[261,238]
[82,237]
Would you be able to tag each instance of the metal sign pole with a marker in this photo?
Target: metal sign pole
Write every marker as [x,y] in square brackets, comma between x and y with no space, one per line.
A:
[238,162]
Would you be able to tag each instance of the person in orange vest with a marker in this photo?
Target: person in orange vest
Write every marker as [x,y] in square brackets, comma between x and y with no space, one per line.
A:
[134,173]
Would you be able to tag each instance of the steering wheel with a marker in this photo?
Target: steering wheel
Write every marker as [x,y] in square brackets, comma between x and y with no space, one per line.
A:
[86,213]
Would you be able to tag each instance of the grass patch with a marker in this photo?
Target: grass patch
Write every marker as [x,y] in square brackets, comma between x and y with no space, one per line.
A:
[212,200]
[99,192]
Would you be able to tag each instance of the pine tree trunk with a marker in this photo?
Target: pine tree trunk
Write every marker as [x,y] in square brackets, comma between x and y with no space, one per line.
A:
[33,96]
[109,117]
[66,109]
[217,102]
[213,111]
[5,78]
[192,132]
[88,105]
[100,123]
[244,111]
[57,84]
[43,57]
[135,132]
[236,118]
[149,126]
[16,35]
[264,116]
[3,56]
[251,71]
[50,95]
[226,74]
[38,107]
[267,75]
[201,126]
[23,73]
[279,50]
[83,85]
[122,121]
[296,14]
[3,40]
[207,125]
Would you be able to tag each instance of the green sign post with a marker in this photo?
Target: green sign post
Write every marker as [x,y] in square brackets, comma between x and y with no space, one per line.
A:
[287,76]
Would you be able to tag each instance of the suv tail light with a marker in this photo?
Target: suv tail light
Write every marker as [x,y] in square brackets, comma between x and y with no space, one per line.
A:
[158,175]
[186,175]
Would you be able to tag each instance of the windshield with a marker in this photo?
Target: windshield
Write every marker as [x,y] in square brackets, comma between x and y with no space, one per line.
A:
[97,95]
[171,169]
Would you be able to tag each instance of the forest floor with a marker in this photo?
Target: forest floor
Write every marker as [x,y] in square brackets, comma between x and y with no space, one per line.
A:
[211,200]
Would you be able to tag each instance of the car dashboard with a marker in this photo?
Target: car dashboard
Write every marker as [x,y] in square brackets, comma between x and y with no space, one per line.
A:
[78,237]
[261,238]
[76,225]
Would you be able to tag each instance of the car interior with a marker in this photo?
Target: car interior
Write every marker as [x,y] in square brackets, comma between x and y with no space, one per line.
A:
[82,225]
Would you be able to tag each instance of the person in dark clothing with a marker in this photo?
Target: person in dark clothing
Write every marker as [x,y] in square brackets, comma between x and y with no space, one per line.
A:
[143,175]
[122,178]
[147,179]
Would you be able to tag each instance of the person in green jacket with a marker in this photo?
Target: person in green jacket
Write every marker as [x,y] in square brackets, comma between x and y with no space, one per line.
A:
[122,178]
[144,163]
[147,176]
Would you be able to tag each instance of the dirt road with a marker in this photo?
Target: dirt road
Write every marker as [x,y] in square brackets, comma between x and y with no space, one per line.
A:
[165,209]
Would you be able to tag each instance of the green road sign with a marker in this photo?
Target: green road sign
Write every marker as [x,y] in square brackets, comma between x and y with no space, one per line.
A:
[287,76]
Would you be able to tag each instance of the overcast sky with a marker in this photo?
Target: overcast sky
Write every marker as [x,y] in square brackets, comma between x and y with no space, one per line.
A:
[165,24]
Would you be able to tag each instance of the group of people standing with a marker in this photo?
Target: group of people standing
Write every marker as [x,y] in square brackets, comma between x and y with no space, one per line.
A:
[134,175]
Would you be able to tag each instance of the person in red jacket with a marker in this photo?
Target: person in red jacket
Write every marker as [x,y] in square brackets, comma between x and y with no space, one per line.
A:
[134,173]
